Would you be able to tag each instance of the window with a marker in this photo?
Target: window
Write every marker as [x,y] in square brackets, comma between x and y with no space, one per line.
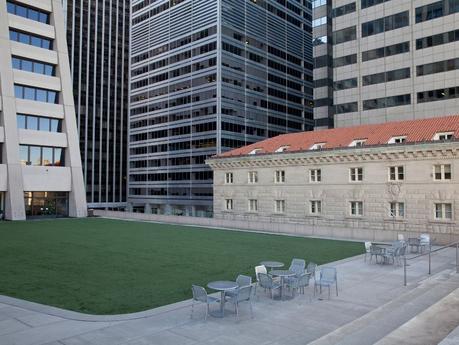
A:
[438,95]
[28,12]
[282,149]
[386,77]
[436,10]
[36,94]
[317,3]
[317,146]
[397,210]
[345,60]
[357,143]
[279,176]
[378,53]
[229,178]
[442,172]
[437,67]
[315,175]
[254,151]
[319,21]
[253,177]
[345,84]
[344,35]
[388,23]
[41,155]
[397,140]
[316,207]
[346,108]
[319,40]
[436,40]
[396,173]
[229,204]
[386,102]
[356,208]
[356,174]
[253,205]
[369,3]
[33,66]
[30,39]
[38,123]
[444,136]
[443,211]
[279,206]
[343,10]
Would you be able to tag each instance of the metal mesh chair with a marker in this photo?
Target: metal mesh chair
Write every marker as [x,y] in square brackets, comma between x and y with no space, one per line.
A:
[268,283]
[241,281]
[258,270]
[243,294]
[200,296]
[367,250]
[299,283]
[297,266]
[328,277]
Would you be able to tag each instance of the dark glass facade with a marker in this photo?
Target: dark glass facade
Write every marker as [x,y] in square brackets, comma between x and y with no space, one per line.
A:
[97,38]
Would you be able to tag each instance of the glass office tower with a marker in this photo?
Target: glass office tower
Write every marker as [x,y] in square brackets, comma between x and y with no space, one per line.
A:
[206,77]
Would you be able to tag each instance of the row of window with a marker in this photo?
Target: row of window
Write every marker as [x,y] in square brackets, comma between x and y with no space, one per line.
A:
[392,22]
[440,172]
[399,100]
[441,211]
[41,155]
[39,123]
[436,10]
[28,12]
[33,66]
[377,78]
[36,94]
[31,39]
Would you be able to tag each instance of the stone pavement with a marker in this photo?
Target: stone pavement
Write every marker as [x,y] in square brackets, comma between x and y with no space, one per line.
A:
[363,290]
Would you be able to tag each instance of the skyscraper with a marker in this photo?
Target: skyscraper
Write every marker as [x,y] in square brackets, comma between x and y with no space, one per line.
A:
[394,60]
[97,37]
[208,76]
[40,164]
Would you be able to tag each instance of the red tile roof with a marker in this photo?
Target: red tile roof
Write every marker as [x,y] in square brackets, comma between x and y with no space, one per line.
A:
[414,130]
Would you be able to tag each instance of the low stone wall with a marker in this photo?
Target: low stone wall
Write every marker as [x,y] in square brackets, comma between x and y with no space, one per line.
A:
[279,226]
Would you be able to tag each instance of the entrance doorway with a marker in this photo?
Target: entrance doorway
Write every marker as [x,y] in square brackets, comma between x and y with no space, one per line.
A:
[46,204]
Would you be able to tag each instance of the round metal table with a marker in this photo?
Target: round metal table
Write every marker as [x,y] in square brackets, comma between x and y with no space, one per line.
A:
[282,274]
[222,286]
[272,264]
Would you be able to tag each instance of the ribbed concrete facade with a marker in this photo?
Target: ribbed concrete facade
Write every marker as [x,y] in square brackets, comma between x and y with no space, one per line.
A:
[395,60]
[208,76]
[97,36]
[40,170]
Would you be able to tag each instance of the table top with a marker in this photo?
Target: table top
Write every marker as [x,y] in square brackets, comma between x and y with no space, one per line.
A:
[272,263]
[282,273]
[222,285]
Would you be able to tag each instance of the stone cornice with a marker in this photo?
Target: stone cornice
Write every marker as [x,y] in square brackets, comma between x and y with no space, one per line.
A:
[443,150]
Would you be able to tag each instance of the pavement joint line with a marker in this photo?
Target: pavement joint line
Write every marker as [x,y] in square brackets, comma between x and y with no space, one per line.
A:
[23,322]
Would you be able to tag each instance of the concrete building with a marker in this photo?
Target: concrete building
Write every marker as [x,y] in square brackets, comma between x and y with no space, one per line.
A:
[40,170]
[369,181]
[323,63]
[394,60]
[208,76]
[97,39]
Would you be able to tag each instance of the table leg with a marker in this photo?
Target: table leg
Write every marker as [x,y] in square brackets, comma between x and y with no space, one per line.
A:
[282,288]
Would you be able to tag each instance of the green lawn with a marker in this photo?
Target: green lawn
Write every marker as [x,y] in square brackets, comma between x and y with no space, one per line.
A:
[103,266]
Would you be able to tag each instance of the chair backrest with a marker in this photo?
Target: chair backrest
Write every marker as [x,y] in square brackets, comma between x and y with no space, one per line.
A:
[402,251]
[303,279]
[367,246]
[244,293]
[265,280]
[317,274]
[199,293]
[328,274]
[243,280]
[311,268]
[260,269]
[297,266]
[424,239]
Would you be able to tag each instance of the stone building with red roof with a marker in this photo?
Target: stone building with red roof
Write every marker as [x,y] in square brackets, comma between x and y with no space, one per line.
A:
[365,182]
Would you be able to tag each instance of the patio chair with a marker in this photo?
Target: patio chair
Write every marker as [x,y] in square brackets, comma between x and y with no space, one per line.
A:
[243,294]
[376,251]
[299,283]
[267,282]
[367,250]
[258,270]
[391,254]
[297,266]
[200,296]
[241,281]
[328,277]
[414,242]
[424,241]
[401,254]
[311,268]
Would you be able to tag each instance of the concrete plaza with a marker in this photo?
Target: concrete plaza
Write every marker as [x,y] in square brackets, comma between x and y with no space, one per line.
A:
[373,306]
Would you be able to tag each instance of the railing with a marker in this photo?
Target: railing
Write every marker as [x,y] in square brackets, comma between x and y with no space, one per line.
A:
[429,253]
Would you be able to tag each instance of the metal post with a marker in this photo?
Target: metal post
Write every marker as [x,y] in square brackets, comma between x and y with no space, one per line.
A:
[457,257]
[430,250]
[404,269]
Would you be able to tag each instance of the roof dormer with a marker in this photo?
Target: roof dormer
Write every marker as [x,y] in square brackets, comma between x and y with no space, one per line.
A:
[397,140]
[357,143]
[254,151]
[443,136]
[282,149]
[317,146]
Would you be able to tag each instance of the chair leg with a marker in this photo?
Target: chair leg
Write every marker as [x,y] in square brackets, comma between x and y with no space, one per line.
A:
[251,309]
[207,312]
[336,287]
[192,310]
[237,311]
[329,288]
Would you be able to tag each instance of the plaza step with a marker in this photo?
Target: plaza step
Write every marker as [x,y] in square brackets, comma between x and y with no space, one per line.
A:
[379,323]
